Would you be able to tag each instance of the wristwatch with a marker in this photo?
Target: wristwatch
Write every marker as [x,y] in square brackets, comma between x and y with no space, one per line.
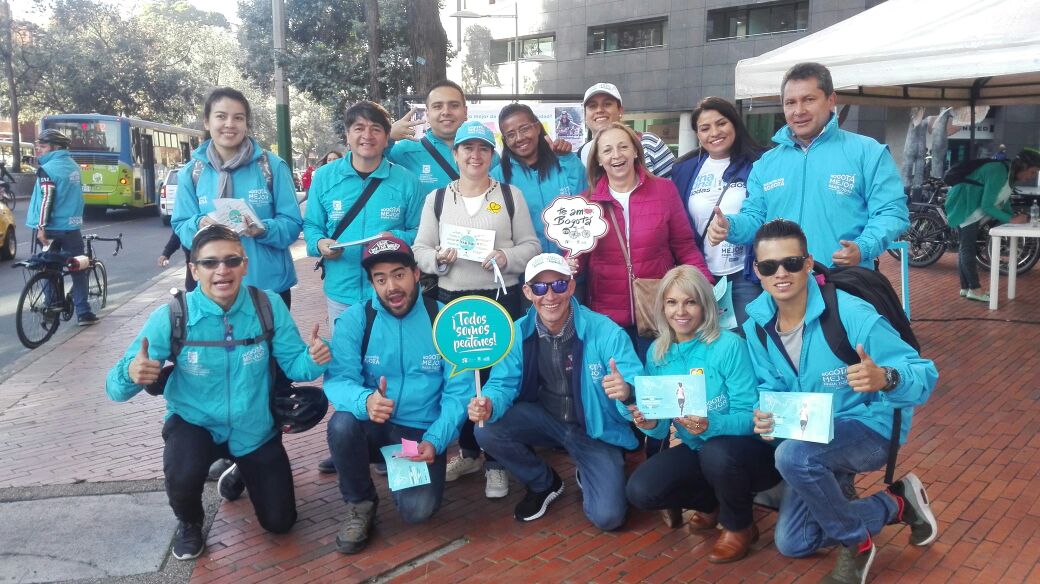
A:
[891,379]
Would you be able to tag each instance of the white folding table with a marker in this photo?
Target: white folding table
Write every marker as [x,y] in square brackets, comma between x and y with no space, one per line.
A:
[1014,231]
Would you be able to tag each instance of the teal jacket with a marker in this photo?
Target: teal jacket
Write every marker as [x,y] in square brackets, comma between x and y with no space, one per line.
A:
[597,340]
[412,155]
[964,198]
[57,197]
[729,380]
[225,392]
[568,180]
[395,206]
[418,380]
[820,371]
[270,263]
[845,186]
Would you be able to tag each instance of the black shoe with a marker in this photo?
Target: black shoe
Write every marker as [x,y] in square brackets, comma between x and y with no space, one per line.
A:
[327,466]
[852,565]
[87,319]
[217,468]
[188,542]
[917,513]
[353,535]
[534,504]
[230,485]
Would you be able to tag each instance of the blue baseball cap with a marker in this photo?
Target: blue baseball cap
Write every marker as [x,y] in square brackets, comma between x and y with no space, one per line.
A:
[474,130]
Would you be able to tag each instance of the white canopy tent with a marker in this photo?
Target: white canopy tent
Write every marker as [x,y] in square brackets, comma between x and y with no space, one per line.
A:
[917,53]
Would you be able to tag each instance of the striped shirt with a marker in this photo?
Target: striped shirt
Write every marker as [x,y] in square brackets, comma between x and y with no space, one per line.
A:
[656,155]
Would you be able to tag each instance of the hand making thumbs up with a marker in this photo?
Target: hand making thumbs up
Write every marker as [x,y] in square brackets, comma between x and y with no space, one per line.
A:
[865,375]
[718,230]
[614,384]
[144,370]
[318,348]
[378,406]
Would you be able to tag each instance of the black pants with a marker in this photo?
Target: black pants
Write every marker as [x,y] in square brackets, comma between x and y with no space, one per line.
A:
[190,450]
[724,474]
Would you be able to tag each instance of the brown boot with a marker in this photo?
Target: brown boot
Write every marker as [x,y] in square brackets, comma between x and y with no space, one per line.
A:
[702,520]
[733,545]
[672,517]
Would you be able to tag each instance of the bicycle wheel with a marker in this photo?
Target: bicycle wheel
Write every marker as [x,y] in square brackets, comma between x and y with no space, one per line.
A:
[97,288]
[37,319]
[9,200]
[1028,252]
[927,239]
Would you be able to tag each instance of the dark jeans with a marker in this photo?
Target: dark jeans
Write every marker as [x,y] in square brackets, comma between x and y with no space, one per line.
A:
[744,291]
[354,443]
[967,268]
[190,450]
[71,243]
[189,280]
[724,474]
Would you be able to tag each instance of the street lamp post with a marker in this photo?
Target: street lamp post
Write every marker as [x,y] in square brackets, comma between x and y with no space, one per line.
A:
[516,37]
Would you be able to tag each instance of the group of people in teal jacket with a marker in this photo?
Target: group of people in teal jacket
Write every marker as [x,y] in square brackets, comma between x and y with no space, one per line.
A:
[568,380]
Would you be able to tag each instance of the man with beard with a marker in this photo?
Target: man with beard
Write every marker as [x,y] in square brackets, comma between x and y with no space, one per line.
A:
[390,383]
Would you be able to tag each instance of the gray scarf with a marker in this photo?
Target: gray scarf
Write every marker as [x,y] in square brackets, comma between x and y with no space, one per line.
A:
[243,156]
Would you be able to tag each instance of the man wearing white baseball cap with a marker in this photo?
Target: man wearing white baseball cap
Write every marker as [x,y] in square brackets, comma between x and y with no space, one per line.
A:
[562,384]
[603,106]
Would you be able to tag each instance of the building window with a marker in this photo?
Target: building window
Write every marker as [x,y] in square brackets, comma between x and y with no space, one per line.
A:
[630,35]
[540,47]
[745,21]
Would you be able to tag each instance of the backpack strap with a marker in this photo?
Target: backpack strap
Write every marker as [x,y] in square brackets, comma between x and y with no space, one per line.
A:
[438,203]
[196,171]
[265,169]
[507,195]
[178,323]
[370,318]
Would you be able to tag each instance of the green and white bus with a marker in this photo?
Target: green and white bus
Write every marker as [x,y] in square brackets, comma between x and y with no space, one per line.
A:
[123,159]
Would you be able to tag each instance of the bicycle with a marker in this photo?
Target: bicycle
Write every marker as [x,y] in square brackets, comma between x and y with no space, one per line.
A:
[7,195]
[44,301]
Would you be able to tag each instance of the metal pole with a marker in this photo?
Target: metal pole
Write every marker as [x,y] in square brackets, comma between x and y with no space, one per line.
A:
[516,47]
[281,89]
[16,146]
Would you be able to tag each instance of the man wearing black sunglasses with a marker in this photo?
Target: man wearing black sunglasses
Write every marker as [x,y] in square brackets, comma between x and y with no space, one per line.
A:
[796,356]
[561,385]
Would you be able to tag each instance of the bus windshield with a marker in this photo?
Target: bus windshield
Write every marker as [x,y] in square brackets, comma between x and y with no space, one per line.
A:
[89,136]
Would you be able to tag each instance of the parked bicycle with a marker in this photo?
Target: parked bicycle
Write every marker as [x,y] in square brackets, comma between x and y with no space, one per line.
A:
[7,194]
[44,301]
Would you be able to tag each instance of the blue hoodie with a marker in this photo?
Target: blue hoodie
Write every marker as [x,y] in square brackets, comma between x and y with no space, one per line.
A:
[845,187]
[417,378]
[225,392]
[820,371]
[395,206]
[729,380]
[567,180]
[57,197]
[270,263]
[412,155]
[597,340]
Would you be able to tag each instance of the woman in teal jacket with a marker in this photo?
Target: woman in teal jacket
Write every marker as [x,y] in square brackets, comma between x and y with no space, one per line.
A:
[721,463]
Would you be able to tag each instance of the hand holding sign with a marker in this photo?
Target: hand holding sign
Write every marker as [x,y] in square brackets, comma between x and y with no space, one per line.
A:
[574,224]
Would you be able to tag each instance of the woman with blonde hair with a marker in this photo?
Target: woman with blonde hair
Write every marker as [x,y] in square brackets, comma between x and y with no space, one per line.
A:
[721,463]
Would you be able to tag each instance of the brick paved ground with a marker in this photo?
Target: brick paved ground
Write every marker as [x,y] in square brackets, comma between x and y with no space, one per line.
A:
[974,445]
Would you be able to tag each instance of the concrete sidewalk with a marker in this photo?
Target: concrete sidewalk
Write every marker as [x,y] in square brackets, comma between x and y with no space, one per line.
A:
[974,445]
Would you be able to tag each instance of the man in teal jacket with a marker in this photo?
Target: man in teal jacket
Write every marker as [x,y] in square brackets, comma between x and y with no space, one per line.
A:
[218,395]
[842,188]
[56,210]
[559,386]
[399,387]
[795,356]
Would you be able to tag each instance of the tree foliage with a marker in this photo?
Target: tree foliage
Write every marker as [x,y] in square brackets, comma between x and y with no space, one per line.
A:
[476,68]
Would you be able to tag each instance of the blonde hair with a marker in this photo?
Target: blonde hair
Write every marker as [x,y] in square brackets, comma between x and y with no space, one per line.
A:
[596,171]
[689,281]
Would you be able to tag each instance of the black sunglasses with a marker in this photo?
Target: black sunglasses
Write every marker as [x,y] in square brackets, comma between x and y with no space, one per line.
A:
[542,288]
[791,264]
[212,263]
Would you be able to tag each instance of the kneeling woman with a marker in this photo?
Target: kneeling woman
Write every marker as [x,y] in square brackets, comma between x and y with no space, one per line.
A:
[721,463]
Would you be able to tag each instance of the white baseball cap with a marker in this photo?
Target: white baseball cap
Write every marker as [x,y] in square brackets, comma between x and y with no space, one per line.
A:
[608,88]
[546,262]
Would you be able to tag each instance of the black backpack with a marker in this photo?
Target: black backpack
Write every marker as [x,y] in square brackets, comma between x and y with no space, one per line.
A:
[875,289]
[959,172]
[370,319]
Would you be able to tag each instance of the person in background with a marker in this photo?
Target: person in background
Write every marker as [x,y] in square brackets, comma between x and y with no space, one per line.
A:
[602,108]
[172,245]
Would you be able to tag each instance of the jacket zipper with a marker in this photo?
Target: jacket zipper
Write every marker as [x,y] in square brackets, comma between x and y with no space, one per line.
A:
[227,377]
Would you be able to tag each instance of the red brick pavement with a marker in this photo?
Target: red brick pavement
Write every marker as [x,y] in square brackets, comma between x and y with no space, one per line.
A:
[973,444]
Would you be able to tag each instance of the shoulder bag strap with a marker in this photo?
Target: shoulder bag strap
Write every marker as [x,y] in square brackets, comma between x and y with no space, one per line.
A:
[711,217]
[452,173]
[628,260]
[347,219]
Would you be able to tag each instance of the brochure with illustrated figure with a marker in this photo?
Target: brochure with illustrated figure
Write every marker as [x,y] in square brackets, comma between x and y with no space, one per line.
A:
[800,416]
[664,397]
[472,244]
[233,213]
[402,473]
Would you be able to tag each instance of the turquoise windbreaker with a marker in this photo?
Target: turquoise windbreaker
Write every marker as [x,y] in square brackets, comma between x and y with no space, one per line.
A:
[57,197]
[412,155]
[568,180]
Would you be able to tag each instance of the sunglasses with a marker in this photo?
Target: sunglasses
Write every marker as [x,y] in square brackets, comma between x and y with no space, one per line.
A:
[542,288]
[791,264]
[212,263]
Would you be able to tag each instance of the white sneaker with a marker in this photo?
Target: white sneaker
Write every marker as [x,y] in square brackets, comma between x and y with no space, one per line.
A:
[459,466]
[497,483]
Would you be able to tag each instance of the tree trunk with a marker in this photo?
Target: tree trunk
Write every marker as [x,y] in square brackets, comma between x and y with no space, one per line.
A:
[375,48]
[429,43]
[8,53]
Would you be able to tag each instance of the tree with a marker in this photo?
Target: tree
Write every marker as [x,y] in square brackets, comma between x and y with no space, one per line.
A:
[476,69]
[429,43]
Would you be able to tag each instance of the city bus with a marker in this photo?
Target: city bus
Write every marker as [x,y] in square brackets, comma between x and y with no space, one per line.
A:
[123,159]
[25,152]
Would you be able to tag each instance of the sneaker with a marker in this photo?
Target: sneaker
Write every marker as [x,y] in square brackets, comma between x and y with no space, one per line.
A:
[87,319]
[380,468]
[460,465]
[353,535]
[964,292]
[852,565]
[217,468]
[984,297]
[915,510]
[497,483]
[535,503]
[188,542]
[230,484]
[327,466]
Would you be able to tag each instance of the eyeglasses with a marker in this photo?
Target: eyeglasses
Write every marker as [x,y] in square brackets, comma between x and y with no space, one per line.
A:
[542,288]
[791,264]
[521,131]
[212,263]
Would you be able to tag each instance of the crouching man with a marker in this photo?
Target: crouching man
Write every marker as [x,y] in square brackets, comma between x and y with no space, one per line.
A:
[559,387]
[388,386]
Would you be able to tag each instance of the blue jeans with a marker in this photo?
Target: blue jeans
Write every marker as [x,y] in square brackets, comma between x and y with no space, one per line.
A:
[71,243]
[967,268]
[602,465]
[354,443]
[814,512]
[744,291]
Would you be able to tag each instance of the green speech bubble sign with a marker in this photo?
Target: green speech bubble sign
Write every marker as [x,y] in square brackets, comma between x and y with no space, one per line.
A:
[473,332]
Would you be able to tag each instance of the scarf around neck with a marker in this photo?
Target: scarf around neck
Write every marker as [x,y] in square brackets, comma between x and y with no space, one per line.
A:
[243,156]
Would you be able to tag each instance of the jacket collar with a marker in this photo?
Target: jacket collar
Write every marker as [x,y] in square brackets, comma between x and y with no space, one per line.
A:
[529,324]
[784,137]
[763,309]
[200,306]
[345,167]
[601,194]
[200,152]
